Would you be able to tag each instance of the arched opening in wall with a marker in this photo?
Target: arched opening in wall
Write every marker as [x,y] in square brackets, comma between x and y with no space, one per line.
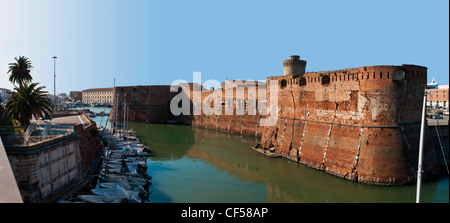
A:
[325,79]
[302,81]
[283,83]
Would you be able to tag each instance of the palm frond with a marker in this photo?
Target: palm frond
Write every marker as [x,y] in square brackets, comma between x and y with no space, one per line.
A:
[28,100]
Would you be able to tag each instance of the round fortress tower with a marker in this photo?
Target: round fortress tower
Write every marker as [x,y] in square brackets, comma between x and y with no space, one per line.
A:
[294,66]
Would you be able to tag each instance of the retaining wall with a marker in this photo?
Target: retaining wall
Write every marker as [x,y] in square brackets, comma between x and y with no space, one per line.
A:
[47,170]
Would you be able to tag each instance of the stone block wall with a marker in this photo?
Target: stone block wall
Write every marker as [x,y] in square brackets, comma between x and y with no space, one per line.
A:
[48,170]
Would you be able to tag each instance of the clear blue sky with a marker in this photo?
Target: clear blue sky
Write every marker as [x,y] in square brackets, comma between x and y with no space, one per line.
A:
[156,42]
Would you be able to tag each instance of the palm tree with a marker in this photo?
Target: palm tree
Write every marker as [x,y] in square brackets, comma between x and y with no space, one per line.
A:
[27,101]
[20,70]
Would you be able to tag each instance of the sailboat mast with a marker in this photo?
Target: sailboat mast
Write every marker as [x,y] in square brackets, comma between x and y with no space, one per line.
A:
[112,111]
[124,110]
[419,167]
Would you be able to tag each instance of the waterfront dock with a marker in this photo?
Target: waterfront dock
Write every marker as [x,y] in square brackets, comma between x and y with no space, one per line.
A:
[265,152]
[122,176]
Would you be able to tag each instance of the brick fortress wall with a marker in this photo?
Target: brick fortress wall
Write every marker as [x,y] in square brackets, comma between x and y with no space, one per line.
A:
[246,122]
[361,123]
[149,104]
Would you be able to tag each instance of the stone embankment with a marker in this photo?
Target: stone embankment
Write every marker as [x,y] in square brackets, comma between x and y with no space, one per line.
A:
[48,167]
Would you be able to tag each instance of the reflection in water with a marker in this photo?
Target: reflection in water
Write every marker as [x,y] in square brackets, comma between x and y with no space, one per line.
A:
[191,164]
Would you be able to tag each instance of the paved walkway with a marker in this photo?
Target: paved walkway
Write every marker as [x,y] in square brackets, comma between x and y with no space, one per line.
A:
[61,125]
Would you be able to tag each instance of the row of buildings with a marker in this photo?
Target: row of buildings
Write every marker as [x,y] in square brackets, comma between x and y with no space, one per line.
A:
[437,95]
[4,94]
[93,96]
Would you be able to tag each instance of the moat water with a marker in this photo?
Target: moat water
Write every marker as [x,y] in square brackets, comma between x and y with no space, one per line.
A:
[192,164]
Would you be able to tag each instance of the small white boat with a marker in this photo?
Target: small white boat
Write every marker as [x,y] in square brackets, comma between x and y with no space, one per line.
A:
[100,198]
[128,160]
[129,179]
[110,185]
[118,192]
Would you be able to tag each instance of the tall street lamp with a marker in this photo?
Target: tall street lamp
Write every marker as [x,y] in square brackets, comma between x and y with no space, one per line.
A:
[54,80]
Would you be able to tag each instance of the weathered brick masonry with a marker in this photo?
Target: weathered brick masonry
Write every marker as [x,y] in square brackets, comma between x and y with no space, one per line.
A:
[144,103]
[359,123]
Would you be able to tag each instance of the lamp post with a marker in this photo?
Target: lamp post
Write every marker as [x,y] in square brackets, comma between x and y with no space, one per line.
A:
[54,81]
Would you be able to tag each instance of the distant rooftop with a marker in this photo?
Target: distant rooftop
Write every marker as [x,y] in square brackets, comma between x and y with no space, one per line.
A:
[98,89]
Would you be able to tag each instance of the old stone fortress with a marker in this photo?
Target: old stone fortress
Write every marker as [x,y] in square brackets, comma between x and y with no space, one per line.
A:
[358,123]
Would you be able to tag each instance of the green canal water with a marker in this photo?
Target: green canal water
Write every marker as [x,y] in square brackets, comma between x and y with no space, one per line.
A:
[192,164]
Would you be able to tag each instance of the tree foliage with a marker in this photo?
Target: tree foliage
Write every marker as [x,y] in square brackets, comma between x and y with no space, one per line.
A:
[19,71]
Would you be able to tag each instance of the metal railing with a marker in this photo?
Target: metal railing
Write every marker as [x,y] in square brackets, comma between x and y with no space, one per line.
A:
[26,140]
